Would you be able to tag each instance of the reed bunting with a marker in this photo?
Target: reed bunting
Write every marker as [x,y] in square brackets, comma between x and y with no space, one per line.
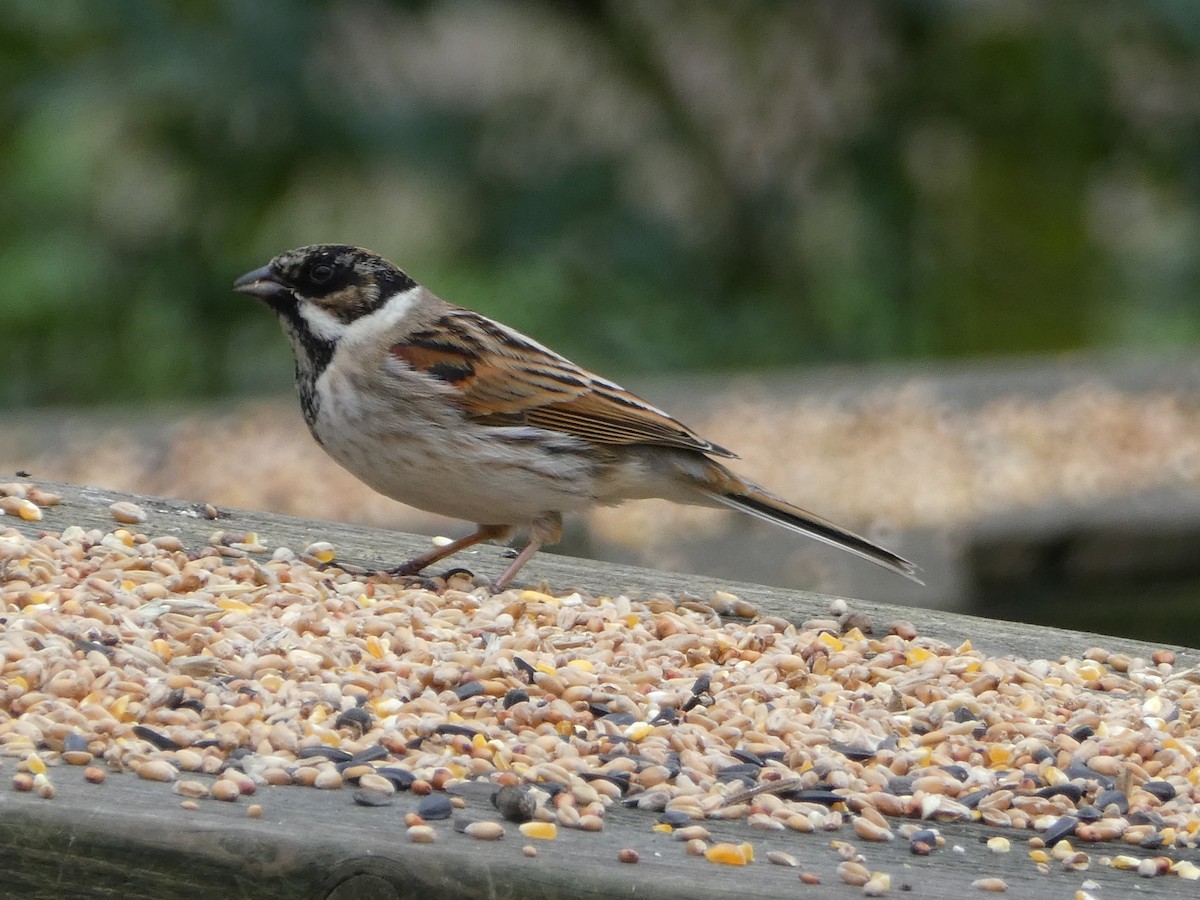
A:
[451,412]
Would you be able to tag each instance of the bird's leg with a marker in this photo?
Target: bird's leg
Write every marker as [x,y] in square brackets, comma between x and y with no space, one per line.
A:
[545,530]
[417,563]
[515,566]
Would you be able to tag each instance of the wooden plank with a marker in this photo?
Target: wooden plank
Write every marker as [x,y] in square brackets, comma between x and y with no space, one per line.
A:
[131,838]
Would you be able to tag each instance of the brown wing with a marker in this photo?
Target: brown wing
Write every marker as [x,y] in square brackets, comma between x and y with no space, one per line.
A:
[504,378]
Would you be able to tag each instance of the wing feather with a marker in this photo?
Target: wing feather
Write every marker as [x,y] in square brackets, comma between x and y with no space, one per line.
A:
[501,377]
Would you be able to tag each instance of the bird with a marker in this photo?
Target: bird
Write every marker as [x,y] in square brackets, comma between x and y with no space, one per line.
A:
[452,412]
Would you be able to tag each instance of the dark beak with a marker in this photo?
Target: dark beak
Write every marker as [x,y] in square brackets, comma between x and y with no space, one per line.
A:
[262,283]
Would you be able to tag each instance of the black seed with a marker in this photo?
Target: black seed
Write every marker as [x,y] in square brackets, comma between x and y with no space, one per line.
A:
[815,795]
[1078,770]
[1041,754]
[378,751]
[1146,817]
[515,803]
[676,818]
[1163,790]
[750,759]
[971,800]
[325,752]
[1070,790]
[858,754]
[468,689]
[74,742]
[668,715]
[741,772]
[901,785]
[449,728]
[89,646]
[528,670]
[1151,841]
[356,717]
[161,741]
[401,779]
[1112,797]
[1089,814]
[1082,733]
[553,788]
[925,835]
[620,779]
[435,806]
[370,797]
[958,773]
[1063,828]
[964,714]
[620,718]
[515,696]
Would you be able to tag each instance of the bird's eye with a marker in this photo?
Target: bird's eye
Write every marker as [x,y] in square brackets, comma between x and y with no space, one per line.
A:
[320,273]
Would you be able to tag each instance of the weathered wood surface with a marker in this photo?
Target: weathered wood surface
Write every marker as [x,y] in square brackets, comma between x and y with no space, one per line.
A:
[130,838]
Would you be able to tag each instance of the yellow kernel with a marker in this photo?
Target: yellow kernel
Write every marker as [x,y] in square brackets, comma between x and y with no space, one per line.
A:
[542,831]
[727,854]
[914,656]
[34,763]
[998,844]
[662,828]
[584,665]
[854,635]
[545,668]
[639,731]
[537,597]
[830,641]
[999,755]
[230,605]
[374,647]
[321,551]
[26,509]
[1039,856]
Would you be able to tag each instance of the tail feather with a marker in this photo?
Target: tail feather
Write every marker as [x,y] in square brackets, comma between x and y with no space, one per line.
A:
[763,505]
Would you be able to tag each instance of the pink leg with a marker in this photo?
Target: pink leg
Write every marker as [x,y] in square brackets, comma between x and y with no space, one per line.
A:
[544,531]
[483,533]
[515,566]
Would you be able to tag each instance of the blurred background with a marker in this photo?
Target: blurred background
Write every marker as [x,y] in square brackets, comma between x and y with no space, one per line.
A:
[931,267]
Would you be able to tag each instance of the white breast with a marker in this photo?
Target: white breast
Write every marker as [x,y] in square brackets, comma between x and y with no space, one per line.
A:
[402,437]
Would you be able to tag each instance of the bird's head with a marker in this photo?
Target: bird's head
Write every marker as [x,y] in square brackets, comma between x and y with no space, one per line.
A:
[330,286]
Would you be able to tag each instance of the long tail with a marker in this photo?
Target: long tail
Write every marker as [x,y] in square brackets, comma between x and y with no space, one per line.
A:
[758,502]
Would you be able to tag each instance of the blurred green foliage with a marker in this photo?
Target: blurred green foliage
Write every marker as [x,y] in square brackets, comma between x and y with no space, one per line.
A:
[684,184]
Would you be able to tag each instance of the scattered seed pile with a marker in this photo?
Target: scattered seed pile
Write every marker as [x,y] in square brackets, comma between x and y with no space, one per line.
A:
[127,652]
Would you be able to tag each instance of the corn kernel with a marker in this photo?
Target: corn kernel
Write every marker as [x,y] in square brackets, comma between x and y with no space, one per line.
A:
[374,647]
[914,656]
[541,831]
[230,605]
[830,641]
[727,854]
